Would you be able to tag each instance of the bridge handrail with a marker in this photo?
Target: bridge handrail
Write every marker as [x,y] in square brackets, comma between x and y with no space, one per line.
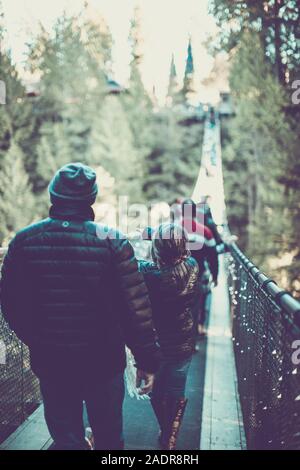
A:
[266,336]
[280,296]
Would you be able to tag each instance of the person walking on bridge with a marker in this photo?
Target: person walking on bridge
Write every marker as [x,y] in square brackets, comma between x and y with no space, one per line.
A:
[204,250]
[72,292]
[172,282]
[203,210]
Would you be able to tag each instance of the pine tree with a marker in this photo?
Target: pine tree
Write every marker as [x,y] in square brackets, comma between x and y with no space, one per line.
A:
[160,162]
[72,65]
[112,147]
[53,151]
[277,23]
[173,163]
[15,116]
[173,87]
[16,123]
[137,103]
[188,89]
[290,178]
[266,123]
[255,159]
[16,198]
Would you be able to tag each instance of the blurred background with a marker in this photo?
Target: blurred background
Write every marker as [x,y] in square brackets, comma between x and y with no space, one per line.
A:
[125,86]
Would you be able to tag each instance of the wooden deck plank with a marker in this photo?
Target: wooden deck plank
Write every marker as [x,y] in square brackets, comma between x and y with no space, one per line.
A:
[33,434]
[222,426]
[140,426]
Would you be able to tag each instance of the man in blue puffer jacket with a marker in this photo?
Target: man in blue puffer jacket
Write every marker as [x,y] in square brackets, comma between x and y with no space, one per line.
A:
[72,292]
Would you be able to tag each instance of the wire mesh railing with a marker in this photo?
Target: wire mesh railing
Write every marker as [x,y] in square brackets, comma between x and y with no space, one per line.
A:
[19,388]
[266,335]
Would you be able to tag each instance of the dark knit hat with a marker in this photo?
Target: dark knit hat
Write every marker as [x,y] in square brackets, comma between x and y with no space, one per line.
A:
[189,208]
[74,182]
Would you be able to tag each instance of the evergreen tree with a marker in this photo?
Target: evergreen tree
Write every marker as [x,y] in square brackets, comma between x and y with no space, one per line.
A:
[16,198]
[173,87]
[15,116]
[135,40]
[53,151]
[255,159]
[290,178]
[112,147]
[72,65]
[277,23]
[188,89]
[160,162]
[174,158]
[270,127]
[137,103]
[175,152]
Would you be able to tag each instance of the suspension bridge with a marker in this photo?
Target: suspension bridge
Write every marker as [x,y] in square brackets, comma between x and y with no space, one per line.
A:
[243,387]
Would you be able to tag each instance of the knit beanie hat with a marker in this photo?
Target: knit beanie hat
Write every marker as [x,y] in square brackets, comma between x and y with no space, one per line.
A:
[74,182]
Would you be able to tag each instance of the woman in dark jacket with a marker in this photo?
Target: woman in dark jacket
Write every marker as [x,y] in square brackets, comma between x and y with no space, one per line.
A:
[172,283]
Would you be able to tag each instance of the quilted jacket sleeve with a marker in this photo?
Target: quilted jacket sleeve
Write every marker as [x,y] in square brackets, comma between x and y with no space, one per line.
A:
[136,316]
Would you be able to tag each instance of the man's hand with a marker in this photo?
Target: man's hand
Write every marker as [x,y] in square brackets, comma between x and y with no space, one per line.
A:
[148,380]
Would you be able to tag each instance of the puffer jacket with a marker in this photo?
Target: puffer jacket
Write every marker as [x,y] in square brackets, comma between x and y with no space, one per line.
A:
[173,293]
[71,291]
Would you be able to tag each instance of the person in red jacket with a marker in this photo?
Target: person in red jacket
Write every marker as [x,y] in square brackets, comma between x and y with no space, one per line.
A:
[204,249]
[202,242]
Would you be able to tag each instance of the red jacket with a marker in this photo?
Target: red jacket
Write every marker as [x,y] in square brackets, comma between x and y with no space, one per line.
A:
[202,245]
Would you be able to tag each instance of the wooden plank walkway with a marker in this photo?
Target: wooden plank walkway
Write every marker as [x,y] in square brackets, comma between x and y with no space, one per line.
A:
[222,424]
[140,426]
[31,435]
[141,429]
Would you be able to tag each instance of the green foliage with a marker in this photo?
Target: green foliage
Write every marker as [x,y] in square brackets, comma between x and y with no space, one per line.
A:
[188,80]
[262,172]
[277,23]
[256,156]
[174,158]
[74,118]
[154,155]
[112,147]
[53,151]
[71,64]
[16,198]
[15,122]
